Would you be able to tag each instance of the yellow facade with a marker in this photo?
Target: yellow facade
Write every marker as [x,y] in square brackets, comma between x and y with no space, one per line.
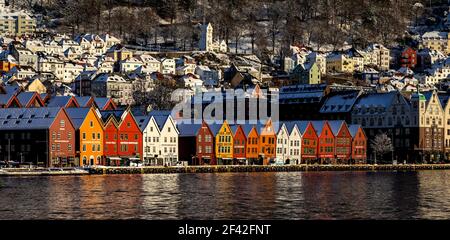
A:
[224,142]
[345,65]
[91,139]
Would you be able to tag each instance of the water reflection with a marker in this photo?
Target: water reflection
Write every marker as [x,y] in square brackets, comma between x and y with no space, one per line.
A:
[312,195]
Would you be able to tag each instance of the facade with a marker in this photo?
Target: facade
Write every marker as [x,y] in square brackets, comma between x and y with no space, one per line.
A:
[340,63]
[392,114]
[343,141]
[295,143]
[151,137]
[283,143]
[252,144]
[326,139]
[224,143]
[89,135]
[308,73]
[168,143]
[40,136]
[377,55]
[438,41]
[430,118]
[110,142]
[168,66]
[113,86]
[239,145]
[309,142]
[408,58]
[359,144]
[14,22]
[267,142]
[205,146]
[127,138]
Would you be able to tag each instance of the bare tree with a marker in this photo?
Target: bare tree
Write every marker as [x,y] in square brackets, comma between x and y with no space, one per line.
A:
[381,145]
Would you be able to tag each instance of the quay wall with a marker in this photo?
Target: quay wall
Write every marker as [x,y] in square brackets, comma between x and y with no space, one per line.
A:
[289,168]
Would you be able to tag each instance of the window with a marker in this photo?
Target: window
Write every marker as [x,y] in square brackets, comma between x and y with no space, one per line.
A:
[69,147]
[98,135]
[84,136]
[91,123]
[84,147]
[93,135]
[62,123]
[69,135]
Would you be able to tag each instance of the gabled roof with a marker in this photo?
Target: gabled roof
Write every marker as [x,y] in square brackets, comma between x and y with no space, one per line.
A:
[188,130]
[384,100]
[354,129]
[160,121]
[83,101]
[27,118]
[61,101]
[77,115]
[336,126]
[5,99]
[143,121]
[290,125]
[248,128]
[25,98]
[340,102]
[318,126]
[102,103]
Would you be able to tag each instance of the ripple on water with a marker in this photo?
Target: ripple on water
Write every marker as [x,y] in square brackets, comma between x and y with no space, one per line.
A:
[293,195]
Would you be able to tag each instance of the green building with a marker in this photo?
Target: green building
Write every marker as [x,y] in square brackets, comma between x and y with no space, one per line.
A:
[307,73]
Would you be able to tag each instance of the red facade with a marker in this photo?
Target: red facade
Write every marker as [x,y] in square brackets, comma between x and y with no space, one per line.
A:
[129,137]
[61,145]
[408,58]
[205,145]
[359,146]
[110,140]
[309,143]
[239,145]
[326,143]
[344,143]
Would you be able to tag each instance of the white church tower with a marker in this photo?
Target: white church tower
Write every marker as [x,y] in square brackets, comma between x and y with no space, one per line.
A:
[206,38]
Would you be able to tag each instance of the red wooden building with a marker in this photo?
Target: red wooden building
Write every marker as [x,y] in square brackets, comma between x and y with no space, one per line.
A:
[309,142]
[205,145]
[408,58]
[128,136]
[326,141]
[239,146]
[343,141]
[110,141]
[359,144]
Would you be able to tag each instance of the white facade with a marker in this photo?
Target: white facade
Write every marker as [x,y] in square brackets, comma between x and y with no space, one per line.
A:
[168,66]
[151,135]
[282,152]
[295,139]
